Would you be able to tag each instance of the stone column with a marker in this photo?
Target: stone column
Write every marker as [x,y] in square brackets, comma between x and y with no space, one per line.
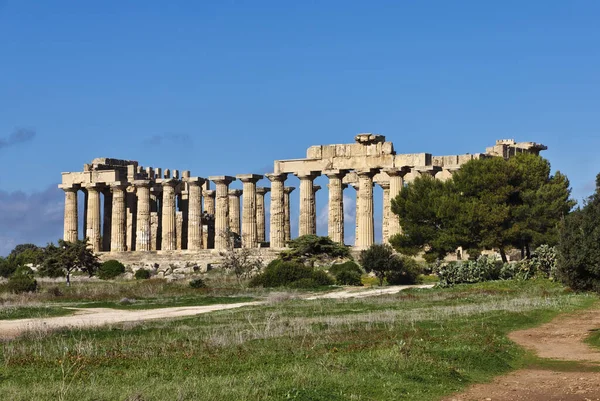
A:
[260,213]
[222,210]
[208,230]
[366,232]
[316,188]
[249,223]
[356,209]
[155,216]
[396,183]
[107,220]
[335,228]
[71,228]
[386,211]
[143,236]
[235,224]
[119,219]
[277,234]
[286,205]
[194,215]
[93,217]
[307,199]
[169,234]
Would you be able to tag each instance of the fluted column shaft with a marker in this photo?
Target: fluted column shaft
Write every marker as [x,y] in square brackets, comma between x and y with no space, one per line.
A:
[70,233]
[277,231]
[356,210]
[335,227]
[249,224]
[235,224]
[287,210]
[307,199]
[194,216]
[260,213]
[118,220]
[143,230]
[222,210]
[396,183]
[366,232]
[208,227]
[93,223]
[386,212]
[169,235]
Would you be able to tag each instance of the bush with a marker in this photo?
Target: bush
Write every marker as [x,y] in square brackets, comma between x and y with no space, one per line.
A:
[545,259]
[7,267]
[22,281]
[312,245]
[347,273]
[405,271]
[142,274]
[291,274]
[197,283]
[485,268]
[110,269]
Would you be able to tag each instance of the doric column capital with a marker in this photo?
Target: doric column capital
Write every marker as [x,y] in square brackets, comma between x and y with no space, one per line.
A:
[431,170]
[307,175]
[209,193]
[397,171]
[384,184]
[316,188]
[235,193]
[199,181]
[169,182]
[222,179]
[94,186]
[262,190]
[141,183]
[368,172]
[288,190]
[249,177]
[69,187]
[118,185]
[335,173]
[281,177]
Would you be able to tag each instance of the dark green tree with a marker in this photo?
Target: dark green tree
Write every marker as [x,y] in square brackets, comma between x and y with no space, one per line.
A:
[381,260]
[68,257]
[578,264]
[490,203]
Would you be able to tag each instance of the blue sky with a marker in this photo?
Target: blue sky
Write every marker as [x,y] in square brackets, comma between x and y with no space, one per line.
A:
[227,87]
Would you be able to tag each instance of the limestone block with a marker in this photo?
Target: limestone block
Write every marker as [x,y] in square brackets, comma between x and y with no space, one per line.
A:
[314,152]
[70,179]
[328,151]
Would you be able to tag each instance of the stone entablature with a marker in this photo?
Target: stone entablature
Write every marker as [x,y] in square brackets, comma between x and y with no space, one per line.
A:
[151,209]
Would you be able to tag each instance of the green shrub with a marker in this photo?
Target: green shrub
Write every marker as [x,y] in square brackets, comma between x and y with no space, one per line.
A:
[485,268]
[142,274]
[347,277]
[545,259]
[405,271]
[347,273]
[306,246]
[281,273]
[7,267]
[197,283]
[22,281]
[110,269]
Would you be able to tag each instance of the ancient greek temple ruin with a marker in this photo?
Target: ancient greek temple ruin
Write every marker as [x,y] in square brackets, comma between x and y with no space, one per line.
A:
[133,209]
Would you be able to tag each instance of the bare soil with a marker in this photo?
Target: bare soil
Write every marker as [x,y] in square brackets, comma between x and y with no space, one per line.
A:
[560,340]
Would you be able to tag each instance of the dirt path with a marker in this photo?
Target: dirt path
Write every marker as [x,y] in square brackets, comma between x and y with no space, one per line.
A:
[94,317]
[561,339]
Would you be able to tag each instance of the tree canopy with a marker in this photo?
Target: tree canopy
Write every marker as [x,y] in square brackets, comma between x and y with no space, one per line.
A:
[67,257]
[490,203]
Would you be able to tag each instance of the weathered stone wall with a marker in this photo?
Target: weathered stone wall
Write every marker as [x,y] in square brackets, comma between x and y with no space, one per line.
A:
[178,263]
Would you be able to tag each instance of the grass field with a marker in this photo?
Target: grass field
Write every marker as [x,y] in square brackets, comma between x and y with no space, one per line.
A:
[416,345]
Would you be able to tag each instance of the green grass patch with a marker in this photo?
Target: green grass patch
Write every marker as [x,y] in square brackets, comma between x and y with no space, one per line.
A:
[594,338]
[27,312]
[415,345]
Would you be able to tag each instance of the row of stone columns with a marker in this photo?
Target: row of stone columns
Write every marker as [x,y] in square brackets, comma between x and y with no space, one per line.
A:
[224,205]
